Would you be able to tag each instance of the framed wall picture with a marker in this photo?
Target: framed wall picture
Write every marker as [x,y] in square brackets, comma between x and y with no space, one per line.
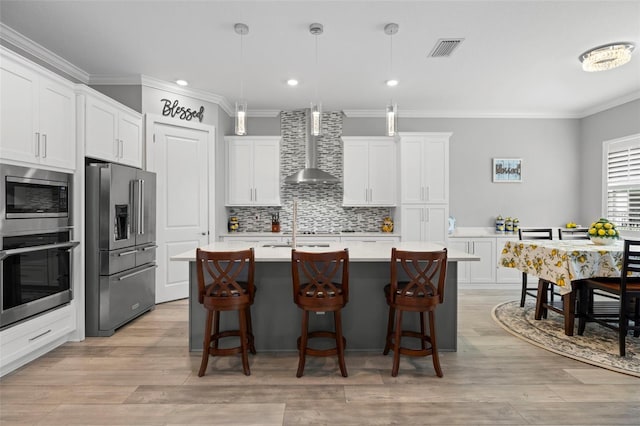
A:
[507,170]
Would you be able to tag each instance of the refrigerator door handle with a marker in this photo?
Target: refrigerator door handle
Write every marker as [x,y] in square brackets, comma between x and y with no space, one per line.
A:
[150,248]
[133,274]
[141,207]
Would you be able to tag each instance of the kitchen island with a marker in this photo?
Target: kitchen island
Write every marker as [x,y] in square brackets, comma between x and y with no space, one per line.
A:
[276,318]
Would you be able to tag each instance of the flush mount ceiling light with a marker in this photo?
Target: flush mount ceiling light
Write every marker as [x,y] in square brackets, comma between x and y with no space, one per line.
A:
[241,104]
[182,83]
[606,57]
[292,82]
[316,106]
[392,108]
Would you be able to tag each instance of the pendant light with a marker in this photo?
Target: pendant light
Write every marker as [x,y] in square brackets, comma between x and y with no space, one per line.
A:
[316,106]
[241,103]
[392,108]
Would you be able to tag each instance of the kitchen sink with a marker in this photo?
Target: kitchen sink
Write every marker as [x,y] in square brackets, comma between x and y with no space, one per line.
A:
[297,245]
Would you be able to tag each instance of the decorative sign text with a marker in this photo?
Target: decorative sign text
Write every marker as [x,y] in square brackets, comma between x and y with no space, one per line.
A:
[173,109]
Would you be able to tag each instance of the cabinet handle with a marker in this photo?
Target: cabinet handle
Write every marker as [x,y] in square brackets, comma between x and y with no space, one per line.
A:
[255,191]
[44,145]
[370,195]
[121,146]
[37,145]
[427,192]
[40,335]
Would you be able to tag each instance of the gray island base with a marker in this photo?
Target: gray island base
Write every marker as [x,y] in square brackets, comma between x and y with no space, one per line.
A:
[277,320]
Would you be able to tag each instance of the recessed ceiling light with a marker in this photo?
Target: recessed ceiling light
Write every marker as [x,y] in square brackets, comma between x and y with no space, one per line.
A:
[292,82]
[182,82]
[392,82]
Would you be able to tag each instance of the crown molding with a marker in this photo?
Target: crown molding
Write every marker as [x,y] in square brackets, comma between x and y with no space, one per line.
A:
[32,48]
[611,104]
[457,114]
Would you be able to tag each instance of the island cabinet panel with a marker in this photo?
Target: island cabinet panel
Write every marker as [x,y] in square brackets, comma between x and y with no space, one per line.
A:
[112,131]
[483,271]
[253,171]
[37,113]
[424,168]
[369,171]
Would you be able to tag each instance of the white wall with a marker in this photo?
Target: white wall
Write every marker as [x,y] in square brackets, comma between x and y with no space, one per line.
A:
[613,123]
[549,193]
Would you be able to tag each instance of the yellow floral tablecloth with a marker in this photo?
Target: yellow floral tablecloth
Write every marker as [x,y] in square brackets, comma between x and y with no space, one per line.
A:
[562,261]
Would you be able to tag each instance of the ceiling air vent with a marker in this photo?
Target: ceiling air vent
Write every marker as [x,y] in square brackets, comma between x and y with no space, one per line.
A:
[444,47]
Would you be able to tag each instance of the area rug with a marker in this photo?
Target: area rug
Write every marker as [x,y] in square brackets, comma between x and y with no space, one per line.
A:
[598,346]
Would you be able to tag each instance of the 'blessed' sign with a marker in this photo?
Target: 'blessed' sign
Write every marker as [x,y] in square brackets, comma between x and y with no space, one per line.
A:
[174,110]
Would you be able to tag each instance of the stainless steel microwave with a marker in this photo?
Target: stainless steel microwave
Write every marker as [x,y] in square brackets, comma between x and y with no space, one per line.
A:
[34,199]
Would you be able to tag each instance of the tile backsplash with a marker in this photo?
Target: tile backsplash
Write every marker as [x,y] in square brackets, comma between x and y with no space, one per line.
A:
[319,205]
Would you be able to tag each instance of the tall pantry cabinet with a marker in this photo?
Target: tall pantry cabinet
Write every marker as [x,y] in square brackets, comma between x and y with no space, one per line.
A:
[424,183]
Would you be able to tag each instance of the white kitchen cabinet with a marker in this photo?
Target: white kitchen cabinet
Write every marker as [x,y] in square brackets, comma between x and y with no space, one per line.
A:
[37,112]
[424,168]
[31,339]
[483,271]
[369,171]
[506,275]
[112,132]
[424,222]
[253,171]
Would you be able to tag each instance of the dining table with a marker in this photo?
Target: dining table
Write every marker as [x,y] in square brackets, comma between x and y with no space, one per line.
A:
[563,263]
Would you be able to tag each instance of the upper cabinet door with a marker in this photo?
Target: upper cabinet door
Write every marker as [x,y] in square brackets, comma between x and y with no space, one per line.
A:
[18,111]
[57,125]
[356,173]
[130,138]
[411,170]
[253,171]
[436,169]
[266,172]
[101,122]
[369,171]
[37,111]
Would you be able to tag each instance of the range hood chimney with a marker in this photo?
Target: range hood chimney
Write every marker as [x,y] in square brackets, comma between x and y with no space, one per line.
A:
[311,173]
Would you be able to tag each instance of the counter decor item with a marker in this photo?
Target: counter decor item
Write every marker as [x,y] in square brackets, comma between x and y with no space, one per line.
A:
[516,225]
[233,224]
[387,224]
[508,225]
[499,224]
[603,232]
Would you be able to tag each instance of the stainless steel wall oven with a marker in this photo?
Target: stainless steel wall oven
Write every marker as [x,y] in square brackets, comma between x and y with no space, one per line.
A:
[35,242]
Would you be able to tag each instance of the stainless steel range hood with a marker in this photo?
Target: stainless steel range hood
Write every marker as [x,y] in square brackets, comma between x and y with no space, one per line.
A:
[311,173]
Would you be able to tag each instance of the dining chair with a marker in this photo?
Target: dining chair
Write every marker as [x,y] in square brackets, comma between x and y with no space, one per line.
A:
[532,234]
[417,285]
[626,288]
[573,234]
[226,283]
[320,284]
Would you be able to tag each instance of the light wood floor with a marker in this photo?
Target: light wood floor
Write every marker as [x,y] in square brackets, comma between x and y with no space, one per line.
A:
[144,375]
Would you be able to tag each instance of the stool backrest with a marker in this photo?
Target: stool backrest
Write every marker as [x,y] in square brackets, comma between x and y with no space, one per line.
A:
[324,276]
[418,275]
[226,274]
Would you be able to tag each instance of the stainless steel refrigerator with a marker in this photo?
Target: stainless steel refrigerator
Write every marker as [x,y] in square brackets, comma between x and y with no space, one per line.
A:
[120,246]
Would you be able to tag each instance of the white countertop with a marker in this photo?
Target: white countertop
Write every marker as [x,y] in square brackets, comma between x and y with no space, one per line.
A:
[325,234]
[358,251]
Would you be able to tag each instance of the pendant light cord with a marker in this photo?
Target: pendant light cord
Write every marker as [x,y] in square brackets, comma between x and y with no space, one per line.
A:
[241,67]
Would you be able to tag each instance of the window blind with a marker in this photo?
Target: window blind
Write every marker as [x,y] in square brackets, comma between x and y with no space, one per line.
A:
[623,182]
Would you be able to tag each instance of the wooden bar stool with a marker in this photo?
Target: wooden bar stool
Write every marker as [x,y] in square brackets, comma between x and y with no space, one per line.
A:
[225,283]
[417,285]
[320,284]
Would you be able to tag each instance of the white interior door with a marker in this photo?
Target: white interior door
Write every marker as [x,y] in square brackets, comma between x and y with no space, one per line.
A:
[180,157]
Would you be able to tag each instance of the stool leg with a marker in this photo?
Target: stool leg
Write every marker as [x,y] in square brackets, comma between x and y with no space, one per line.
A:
[396,343]
[216,328]
[337,318]
[252,347]
[244,341]
[206,344]
[434,346]
[390,321]
[303,343]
